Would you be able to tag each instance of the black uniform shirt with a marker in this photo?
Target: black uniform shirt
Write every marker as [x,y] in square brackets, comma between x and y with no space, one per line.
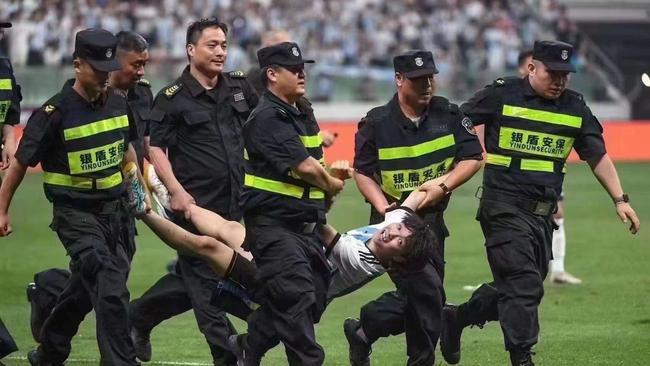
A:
[42,140]
[486,105]
[201,129]
[366,159]
[273,137]
[9,112]
[140,99]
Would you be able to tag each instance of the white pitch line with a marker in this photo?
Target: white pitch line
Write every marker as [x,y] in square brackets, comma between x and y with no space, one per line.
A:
[96,362]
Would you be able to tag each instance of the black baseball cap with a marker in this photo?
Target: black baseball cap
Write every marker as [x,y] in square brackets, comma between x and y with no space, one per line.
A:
[97,46]
[4,24]
[555,55]
[416,63]
[283,54]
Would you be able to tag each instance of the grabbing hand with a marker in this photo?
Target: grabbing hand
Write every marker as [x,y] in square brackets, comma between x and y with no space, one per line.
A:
[181,203]
[341,169]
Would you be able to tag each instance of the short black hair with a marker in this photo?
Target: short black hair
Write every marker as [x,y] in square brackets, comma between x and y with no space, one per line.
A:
[523,55]
[421,244]
[129,41]
[195,29]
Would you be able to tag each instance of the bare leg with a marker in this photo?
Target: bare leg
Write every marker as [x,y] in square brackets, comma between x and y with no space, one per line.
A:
[232,233]
[218,254]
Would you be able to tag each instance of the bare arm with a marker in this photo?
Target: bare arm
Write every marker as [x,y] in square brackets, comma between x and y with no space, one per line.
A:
[606,174]
[463,171]
[313,172]
[9,142]
[371,191]
[181,200]
[415,198]
[12,180]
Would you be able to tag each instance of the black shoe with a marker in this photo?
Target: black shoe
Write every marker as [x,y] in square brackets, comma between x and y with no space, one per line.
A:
[359,349]
[141,343]
[521,358]
[234,343]
[450,336]
[35,359]
[36,318]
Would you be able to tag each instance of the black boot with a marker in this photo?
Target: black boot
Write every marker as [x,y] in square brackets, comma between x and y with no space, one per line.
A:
[359,349]
[521,358]
[452,330]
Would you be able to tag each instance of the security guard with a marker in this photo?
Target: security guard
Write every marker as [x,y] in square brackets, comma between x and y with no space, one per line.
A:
[414,138]
[197,121]
[133,55]
[283,200]
[531,124]
[81,137]
[10,98]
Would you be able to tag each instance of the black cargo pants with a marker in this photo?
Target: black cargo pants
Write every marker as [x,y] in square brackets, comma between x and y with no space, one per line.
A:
[416,306]
[519,246]
[294,277]
[100,243]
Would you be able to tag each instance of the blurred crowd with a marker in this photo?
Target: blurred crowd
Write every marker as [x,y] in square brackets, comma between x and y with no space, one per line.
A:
[473,33]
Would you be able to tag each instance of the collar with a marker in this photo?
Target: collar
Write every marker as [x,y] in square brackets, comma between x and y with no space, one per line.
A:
[400,118]
[194,86]
[529,92]
[289,108]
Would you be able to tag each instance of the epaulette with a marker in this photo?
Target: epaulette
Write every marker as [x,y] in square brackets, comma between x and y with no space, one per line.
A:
[453,108]
[144,82]
[574,94]
[237,74]
[505,81]
[51,105]
[170,91]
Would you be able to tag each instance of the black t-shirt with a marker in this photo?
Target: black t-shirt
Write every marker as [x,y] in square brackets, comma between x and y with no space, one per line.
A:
[273,144]
[201,131]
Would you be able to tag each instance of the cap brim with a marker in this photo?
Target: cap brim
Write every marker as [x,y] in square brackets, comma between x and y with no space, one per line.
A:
[560,66]
[421,72]
[297,62]
[106,66]
[5,25]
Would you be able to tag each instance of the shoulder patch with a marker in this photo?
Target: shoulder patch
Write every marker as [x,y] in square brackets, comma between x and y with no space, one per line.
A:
[282,112]
[469,126]
[172,90]
[505,81]
[144,82]
[49,108]
[237,74]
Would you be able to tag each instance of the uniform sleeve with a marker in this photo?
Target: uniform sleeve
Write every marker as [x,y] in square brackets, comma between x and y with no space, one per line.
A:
[13,114]
[366,160]
[133,128]
[590,143]
[37,137]
[468,146]
[275,139]
[482,107]
[162,127]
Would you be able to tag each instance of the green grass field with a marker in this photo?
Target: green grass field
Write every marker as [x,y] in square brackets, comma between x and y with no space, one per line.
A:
[605,321]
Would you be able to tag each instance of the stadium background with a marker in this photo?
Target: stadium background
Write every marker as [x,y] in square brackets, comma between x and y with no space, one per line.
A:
[606,321]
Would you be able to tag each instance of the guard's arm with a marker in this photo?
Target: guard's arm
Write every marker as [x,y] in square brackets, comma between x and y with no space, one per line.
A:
[12,180]
[371,191]
[604,170]
[9,146]
[311,171]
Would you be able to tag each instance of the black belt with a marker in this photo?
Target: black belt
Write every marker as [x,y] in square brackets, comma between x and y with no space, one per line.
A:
[301,227]
[541,208]
[93,206]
